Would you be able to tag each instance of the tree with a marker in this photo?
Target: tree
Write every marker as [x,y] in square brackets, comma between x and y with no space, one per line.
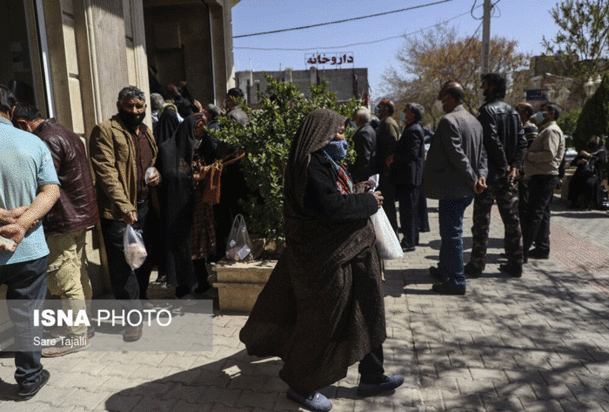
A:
[583,38]
[594,118]
[438,55]
[267,140]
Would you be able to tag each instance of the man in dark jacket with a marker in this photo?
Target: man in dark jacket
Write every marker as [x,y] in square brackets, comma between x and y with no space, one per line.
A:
[455,169]
[364,140]
[407,173]
[66,224]
[387,135]
[505,146]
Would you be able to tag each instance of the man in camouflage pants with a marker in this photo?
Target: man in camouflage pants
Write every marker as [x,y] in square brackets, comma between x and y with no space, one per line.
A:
[505,147]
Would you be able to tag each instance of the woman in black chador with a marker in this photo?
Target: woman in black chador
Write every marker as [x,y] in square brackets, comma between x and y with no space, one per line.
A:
[322,309]
[588,177]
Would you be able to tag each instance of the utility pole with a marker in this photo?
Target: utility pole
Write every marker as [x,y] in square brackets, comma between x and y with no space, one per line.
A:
[486,36]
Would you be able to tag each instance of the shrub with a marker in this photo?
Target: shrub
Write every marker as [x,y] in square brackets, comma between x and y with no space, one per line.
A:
[594,118]
[267,139]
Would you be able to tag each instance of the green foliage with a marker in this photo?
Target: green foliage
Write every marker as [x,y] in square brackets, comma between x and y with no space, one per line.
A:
[267,140]
[568,121]
[594,119]
[583,36]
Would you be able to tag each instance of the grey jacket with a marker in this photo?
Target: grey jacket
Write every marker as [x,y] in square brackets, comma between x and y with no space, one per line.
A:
[456,158]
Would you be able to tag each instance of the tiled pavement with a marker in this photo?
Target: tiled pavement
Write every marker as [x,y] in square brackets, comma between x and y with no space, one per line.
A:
[540,343]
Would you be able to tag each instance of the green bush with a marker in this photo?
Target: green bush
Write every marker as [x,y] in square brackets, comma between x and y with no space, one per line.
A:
[267,139]
[594,118]
[568,122]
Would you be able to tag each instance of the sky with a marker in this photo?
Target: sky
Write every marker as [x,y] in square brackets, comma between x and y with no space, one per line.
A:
[525,21]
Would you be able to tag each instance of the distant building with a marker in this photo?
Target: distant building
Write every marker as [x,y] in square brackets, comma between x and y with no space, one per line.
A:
[346,83]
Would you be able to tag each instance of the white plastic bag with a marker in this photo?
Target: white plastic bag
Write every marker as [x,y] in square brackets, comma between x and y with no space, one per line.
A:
[133,244]
[239,244]
[387,243]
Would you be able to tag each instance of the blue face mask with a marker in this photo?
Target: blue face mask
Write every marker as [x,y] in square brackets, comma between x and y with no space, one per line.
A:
[377,113]
[403,117]
[337,150]
[538,117]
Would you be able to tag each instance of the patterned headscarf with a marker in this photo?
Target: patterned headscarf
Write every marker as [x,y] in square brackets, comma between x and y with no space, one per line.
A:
[317,129]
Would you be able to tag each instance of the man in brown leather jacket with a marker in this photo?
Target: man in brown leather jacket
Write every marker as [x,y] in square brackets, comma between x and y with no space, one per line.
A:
[122,150]
[66,224]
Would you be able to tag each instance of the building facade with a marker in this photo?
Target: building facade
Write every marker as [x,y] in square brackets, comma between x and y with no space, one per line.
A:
[346,83]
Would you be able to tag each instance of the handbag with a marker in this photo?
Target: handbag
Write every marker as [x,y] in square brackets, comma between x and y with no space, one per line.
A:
[213,178]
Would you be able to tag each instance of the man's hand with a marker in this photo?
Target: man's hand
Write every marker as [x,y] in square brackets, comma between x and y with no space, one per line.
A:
[130,218]
[480,185]
[173,90]
[512,174]
[198,106]
[584,153]
[154,177]
[14,232]
[379,198]
[11,216]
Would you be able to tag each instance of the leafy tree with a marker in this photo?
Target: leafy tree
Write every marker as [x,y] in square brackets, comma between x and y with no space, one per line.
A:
[583,38]
[594,118]
[267,139]
[568,122]
[438,55]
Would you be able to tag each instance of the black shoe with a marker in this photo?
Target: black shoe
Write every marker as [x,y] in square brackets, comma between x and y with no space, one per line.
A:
[447,289]
[133,333]
[514,271]
[537,253]
[436,276]
[472,271]
[408,249]
[28,390]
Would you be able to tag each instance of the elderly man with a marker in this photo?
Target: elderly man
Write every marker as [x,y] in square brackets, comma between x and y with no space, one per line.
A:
[407,173]
[541,164]
[65,226]
[364,140]
[505,145]
[387,135]
[30,188]
[455,169]
[234,111]
[122,150]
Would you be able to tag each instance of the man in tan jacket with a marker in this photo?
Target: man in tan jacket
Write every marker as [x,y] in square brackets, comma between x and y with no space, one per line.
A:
[122,150]
[541,164]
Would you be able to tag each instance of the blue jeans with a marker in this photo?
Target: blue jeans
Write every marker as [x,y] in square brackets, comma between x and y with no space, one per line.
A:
[450,213]
[27,282]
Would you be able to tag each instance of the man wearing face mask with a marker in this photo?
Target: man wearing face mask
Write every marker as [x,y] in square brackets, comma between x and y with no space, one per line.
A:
[541,164]
[122,150]
[455,170]
[364,140]
[505,145]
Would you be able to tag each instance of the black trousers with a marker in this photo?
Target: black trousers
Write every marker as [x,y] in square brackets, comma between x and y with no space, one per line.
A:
[127,284]
[388,190]
[371,366]
[537,214]
[408,196]
[422,212]
[27,288]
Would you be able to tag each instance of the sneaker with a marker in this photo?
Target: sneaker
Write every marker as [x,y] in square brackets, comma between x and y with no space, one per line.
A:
[514,271]
[447,289]
[28,390]
[313,402]
[537,253]
[133,333]
[436,276]
[472,271]
[371,389]
[67,345]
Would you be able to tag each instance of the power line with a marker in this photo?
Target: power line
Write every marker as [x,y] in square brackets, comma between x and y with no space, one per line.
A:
[341,21]
[353,44]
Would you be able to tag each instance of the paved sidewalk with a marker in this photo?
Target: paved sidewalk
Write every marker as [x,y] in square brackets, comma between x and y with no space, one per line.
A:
[540,343]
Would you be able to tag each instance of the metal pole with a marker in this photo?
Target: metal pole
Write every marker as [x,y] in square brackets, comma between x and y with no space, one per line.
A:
[486,36]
